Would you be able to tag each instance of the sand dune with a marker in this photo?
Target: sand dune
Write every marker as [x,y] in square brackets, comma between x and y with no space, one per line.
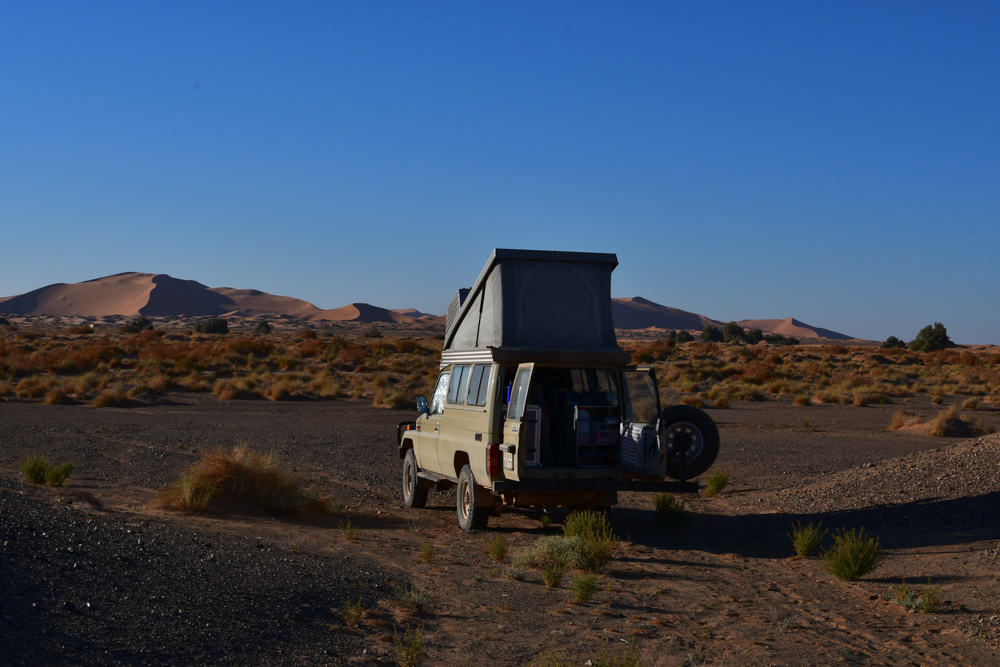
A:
[160,295]
[361,312]
[792,327]
[640,313]
[120,294]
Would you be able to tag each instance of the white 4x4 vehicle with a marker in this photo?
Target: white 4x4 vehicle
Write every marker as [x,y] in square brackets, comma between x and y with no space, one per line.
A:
[535,404]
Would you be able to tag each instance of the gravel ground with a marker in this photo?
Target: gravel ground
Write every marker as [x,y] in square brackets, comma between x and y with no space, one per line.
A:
[84,587]
[93,574]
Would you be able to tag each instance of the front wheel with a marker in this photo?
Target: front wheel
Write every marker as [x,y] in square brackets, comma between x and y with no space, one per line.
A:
[414,495]
[470,517]
[692,431]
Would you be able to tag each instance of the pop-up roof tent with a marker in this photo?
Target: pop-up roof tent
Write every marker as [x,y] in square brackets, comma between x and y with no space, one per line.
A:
[536,305]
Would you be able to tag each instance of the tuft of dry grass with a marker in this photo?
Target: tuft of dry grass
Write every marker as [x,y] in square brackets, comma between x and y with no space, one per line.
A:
[904,418]
[112,397]
[242,475]
[951,423]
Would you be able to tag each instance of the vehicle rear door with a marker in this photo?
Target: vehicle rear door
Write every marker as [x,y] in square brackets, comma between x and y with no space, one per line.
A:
[520,428]
[640,449]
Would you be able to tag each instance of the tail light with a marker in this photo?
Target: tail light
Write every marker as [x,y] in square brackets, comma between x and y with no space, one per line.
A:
[493,459]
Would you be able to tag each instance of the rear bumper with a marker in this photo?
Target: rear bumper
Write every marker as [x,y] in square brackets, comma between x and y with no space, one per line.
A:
[569,485]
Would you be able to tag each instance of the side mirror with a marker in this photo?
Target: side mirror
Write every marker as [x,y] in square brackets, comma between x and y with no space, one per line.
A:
[422,405]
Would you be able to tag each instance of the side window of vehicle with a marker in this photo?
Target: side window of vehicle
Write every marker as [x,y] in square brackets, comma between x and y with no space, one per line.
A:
[459,382]
[440,392]
[479,385]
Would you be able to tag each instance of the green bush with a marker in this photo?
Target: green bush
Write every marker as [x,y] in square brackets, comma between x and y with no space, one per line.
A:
[852,555]
[599,540]
[564,551]
[57,475]
[216,325]
[711,334]
[372,333]
[138,325]
[892,342]
[668,510]
[624,657]
[33,467]
[733,333]
[806,539]
[715,482]
[498,549]
[931,338]
[910,598]
[411,598]
[684,336]
[409,647]
[552,574]
[262,327]
[584,587]
[778,339]
[37,469]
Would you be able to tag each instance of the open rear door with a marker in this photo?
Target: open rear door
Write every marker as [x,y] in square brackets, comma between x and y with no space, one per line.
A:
[640,448]
[521,435]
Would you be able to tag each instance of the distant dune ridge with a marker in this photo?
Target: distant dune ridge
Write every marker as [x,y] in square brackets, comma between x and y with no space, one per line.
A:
[160,295]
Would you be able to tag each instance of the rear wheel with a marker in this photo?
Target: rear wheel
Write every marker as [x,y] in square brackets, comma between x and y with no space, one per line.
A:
[692,431]
[470,517]
[414,495]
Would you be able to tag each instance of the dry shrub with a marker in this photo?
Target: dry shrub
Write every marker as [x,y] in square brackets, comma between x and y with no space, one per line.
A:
[240,389]
[84,330]
[308,334]
[33,387]
[282,389]
[56,396]
[242,475]
[692,400]
[803,400]
[970,404]
[904,418]
[112,397]
[952,424]
[721,402]
[244,345]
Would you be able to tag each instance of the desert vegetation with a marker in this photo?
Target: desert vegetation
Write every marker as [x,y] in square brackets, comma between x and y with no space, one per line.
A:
[716,373]
[242,475]
[115,368]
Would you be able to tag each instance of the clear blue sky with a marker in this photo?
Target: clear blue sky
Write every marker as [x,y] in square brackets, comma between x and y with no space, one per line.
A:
[834,162]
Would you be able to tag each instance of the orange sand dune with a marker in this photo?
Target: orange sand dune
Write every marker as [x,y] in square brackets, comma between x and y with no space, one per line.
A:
[361,312]
[120,294]
[792,327]
[639,313]
[160,295]
[254,303]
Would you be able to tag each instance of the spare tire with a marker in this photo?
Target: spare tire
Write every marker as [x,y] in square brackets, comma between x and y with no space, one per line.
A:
[691,429]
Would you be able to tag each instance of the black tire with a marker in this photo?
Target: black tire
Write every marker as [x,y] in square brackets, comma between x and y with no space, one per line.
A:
[470,516]
[414,495]
[688,423]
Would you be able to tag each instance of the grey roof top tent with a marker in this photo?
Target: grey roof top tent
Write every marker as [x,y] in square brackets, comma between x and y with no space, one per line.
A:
[527,303]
